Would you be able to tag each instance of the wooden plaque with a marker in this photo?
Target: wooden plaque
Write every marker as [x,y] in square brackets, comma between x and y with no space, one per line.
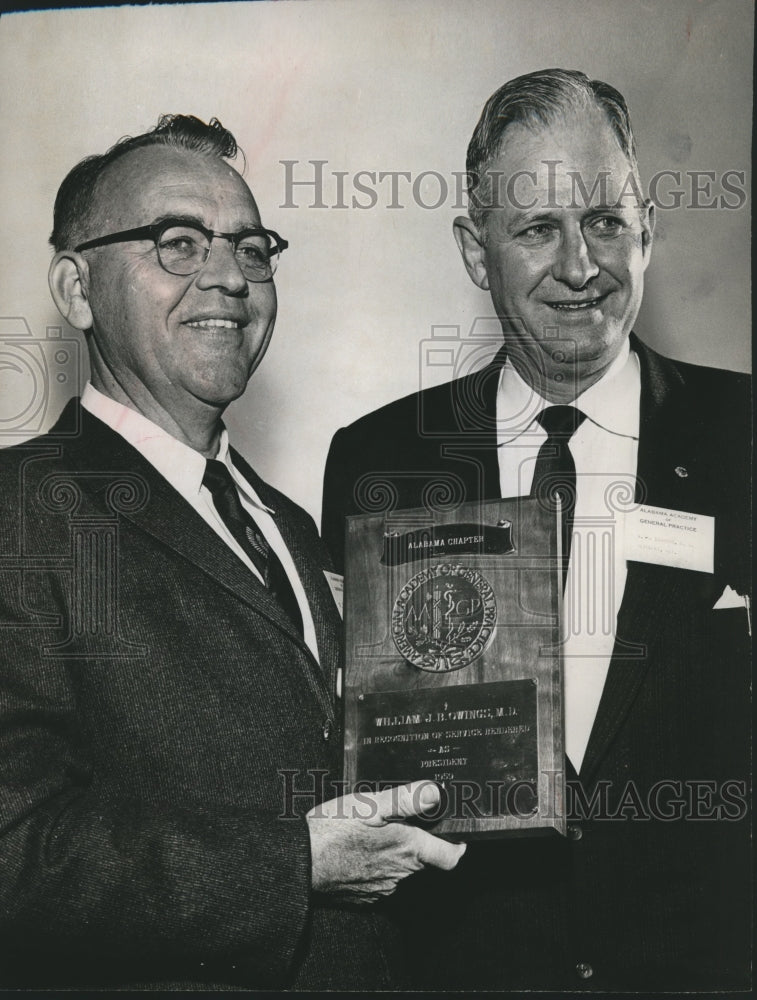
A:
[453,668]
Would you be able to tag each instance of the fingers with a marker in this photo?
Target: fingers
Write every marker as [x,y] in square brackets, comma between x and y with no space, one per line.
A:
[361,857]
[437,852]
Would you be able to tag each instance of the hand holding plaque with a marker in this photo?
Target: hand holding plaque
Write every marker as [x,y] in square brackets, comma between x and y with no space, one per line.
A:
[360,848]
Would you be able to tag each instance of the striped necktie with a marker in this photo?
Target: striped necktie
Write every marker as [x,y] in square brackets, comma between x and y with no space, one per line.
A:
[219,482]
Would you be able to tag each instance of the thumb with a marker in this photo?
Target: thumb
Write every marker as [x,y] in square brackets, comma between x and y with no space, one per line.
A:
[419,798]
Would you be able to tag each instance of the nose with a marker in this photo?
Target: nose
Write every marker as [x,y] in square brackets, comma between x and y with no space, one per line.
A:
[221,269]
[574,263]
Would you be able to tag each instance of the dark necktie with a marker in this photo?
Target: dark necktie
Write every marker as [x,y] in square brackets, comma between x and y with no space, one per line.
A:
[223,489]
[555,470]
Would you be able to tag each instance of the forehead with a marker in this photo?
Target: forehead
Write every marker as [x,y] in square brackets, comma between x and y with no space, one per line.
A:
[559,164]
[156,181]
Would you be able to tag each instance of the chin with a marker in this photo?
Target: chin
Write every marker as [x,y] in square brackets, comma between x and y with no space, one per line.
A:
[219,395]
[596,345]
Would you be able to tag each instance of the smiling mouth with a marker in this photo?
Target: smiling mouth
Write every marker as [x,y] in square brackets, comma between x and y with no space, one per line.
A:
[576,306]
[214,324]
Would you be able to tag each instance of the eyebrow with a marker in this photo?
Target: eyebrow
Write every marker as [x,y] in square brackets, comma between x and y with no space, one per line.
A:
[189,220]
[193,220]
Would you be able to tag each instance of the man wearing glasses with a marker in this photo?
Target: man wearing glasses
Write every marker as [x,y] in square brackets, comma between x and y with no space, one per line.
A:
[170,640]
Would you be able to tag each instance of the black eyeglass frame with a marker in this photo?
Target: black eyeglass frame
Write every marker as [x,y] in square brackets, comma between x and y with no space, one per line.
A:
[156,229]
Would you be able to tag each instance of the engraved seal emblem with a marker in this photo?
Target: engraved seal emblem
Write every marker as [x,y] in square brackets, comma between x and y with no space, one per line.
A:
[444,617]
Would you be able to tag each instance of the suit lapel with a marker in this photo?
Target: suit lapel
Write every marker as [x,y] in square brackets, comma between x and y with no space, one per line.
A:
[667,442]
[309,560]
[473,436]
[101,456]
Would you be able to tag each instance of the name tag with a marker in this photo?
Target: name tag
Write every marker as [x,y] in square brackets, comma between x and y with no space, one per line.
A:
[336,586]
[671,538]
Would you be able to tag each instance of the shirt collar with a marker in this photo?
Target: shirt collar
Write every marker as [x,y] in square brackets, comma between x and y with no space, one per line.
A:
[224,455]
[180,465]
[611,403]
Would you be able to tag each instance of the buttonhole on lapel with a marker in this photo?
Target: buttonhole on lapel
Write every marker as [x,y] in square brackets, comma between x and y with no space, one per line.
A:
[681,472]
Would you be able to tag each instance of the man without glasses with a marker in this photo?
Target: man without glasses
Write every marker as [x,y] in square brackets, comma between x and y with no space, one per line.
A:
[650,889]
[169,638]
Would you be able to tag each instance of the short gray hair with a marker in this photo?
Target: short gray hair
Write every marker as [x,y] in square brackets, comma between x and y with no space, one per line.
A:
[537,100]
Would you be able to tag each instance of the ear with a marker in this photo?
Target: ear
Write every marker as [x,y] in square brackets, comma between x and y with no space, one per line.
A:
[648,217]
[68,278]
[470,244]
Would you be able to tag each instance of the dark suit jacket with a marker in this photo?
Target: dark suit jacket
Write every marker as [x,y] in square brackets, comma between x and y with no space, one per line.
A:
[152,697]
[646,903]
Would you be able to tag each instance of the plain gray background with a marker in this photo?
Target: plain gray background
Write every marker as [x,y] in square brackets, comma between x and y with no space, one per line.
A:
[382,85]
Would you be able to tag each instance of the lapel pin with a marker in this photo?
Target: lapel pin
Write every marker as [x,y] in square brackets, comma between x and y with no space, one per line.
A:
[681,472]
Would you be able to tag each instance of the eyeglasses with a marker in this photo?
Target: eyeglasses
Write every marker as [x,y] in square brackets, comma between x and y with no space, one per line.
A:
[183,248]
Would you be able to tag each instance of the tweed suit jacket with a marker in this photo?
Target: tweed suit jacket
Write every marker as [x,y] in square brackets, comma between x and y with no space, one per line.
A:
[155,708]
[651,890]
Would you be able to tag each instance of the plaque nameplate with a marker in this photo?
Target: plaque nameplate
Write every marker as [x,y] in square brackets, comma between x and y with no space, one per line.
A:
[453,666]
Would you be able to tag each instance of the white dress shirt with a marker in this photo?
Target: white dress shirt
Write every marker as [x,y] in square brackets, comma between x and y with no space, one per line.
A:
[184,468]
[605,451]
